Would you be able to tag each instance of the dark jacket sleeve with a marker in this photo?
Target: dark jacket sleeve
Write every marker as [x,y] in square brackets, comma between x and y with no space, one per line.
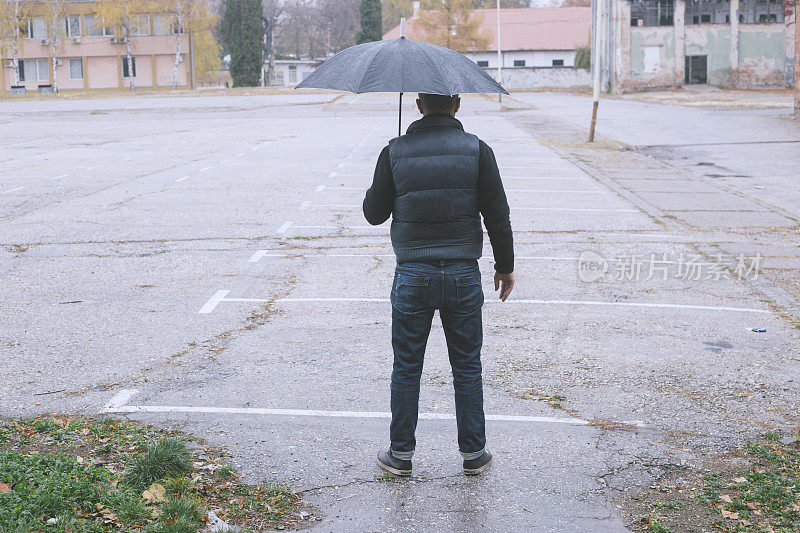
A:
[496,213]
[379,201]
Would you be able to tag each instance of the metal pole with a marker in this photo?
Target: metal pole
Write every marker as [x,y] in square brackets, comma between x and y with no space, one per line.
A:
[400,117]
[797,58]
[191,58]
[596,63]
[499,54]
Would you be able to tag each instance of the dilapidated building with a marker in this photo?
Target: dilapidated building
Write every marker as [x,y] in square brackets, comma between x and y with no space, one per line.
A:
[669,43]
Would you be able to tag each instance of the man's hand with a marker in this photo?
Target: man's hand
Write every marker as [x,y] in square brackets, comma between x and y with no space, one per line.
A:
[507,283]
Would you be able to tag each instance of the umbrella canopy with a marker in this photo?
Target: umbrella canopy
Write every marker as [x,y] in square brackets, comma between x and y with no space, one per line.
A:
[401,65]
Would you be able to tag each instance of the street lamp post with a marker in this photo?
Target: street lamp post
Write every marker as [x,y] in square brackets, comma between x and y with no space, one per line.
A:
[499,54]
[597,18]
[797,58]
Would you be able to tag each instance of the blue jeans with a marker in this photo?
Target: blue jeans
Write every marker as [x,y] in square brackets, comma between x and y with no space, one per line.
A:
[454,288]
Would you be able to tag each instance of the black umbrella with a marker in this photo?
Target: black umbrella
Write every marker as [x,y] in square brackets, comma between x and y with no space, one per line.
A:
[401,65]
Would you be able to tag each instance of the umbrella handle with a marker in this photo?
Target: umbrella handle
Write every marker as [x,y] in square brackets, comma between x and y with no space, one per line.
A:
[400,117]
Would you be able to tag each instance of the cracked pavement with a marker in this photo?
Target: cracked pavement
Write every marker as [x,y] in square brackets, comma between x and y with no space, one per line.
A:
[128,215]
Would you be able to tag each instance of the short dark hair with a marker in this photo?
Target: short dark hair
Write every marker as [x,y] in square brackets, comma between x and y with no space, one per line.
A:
[438,103]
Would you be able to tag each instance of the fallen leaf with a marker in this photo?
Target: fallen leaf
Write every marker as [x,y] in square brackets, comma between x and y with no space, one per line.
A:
[154,494]
[753,506]
[5,487]
[730,515]
[739,479]
[725,498]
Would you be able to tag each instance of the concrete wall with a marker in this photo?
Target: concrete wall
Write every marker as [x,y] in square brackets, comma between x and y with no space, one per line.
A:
[762,56]
[738,55]
[532,58]
[652,57]
[714,41]
[516,79]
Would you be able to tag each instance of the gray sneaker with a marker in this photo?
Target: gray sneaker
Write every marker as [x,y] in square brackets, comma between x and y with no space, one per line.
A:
[393,465]
[473,467]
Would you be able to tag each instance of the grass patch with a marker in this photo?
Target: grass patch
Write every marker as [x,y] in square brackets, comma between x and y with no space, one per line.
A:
[65,474]
[168,458]
[753,488]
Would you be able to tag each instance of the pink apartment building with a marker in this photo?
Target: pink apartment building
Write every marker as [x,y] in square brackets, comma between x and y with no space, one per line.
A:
[91,58]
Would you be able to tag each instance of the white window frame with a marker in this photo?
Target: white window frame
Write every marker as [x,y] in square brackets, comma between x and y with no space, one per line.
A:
[80,60]
[70,29]
[162,25]
[31,28]
[144,17]
[107,31]
[25,71]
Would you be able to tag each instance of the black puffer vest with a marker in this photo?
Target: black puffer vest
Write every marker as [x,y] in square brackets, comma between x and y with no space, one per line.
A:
[435,171]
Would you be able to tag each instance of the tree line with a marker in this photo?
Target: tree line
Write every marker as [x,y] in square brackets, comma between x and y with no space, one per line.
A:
[121,20]
[317,28]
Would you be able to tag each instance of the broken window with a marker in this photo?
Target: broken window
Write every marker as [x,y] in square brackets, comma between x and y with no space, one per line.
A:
[708,12]
[652,12]
[761,11]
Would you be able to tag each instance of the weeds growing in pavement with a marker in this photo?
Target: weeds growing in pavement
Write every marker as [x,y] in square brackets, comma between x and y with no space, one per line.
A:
[166,458]
[77,474]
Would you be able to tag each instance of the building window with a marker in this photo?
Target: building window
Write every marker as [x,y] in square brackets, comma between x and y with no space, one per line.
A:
[75,68]
[652,12]
[35,28]
[34,70]
[761,12]
[708,11]
[519,62]
[164,25]
[125,73]
[483,64]
[69,26]
[558,62]
[94,27]
[292,73]
[142,25]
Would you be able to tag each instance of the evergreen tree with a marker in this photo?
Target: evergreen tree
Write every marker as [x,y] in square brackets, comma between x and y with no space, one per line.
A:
[243,35]
[370,22]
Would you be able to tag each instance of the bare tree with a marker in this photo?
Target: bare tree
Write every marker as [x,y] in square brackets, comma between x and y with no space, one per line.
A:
[273,12]
[13,24]
[124,16]
[57,27]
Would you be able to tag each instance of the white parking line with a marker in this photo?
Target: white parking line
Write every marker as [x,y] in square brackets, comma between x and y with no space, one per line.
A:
[221,296]
[242,154]
[181,179]
[13,190]
[205,169]
[306,205]
[545,178]
[117,405]
[332,175]
[283,228]
[59,177]
[587,210]
[556,191]
[224,161]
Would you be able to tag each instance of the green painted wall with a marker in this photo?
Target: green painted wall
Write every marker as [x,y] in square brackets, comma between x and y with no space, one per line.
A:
[713,41]
[652,36]
[763,42]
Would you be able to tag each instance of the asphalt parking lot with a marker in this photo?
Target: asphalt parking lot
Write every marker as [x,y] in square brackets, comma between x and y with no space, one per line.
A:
[202,263]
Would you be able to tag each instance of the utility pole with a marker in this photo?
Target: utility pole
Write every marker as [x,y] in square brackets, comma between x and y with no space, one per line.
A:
[797,58]
[499,55]
[597,23]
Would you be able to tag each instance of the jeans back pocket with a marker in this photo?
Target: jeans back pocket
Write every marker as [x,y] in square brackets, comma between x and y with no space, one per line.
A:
[410,292]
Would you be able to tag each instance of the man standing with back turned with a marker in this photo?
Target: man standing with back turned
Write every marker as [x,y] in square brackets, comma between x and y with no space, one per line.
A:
[436,181]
